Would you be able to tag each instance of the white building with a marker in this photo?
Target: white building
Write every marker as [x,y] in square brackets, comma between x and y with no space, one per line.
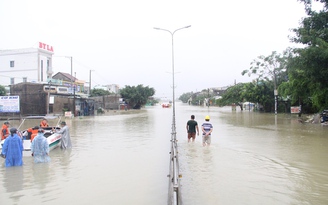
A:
[26,65]
[113,88]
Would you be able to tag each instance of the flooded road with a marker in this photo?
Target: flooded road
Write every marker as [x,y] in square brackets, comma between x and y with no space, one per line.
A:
[123,158]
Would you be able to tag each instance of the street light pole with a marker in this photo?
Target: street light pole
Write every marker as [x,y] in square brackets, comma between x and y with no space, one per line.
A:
[174,196]
[90,82]
[172,34]
[71,66]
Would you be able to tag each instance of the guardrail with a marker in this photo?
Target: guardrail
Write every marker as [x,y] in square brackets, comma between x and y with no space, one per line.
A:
[174,192]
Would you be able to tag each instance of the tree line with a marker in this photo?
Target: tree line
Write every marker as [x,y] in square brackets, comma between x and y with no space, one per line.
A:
[295,77]
[134,96]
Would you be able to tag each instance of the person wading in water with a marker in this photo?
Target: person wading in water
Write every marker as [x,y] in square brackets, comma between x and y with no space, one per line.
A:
[191,127]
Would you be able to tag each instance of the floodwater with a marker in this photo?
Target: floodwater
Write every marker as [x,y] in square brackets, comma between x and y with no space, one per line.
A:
[123,158]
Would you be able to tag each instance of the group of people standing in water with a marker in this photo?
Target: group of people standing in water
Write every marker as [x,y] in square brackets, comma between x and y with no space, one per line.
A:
[12,149]
[207,128]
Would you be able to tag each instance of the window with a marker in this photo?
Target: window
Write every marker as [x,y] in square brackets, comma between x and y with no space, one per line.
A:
[24,79]
[12,81]
[12,64]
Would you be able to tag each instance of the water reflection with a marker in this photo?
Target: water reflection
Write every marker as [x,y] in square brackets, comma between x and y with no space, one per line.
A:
[13,179]
[40,174]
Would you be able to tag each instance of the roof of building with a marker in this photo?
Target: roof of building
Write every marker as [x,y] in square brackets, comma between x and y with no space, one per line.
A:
[66,75]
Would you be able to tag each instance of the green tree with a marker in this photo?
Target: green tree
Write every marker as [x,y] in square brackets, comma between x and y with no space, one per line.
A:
[2,90]
[99,92]
[257,91]
[199,98]
[185,97]
[152,101]
[260,92]
[307,70]
[233,95]
[301,84]
[136,96]
[270,68]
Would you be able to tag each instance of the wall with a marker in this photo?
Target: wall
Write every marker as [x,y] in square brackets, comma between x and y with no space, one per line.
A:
[62,102]
[33,100]
[108,102]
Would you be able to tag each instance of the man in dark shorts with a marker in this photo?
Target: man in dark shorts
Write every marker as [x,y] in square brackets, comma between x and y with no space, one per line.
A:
[191,127]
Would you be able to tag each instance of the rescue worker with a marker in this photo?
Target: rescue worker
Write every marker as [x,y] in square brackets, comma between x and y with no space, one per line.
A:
[44,123]
[5,130]
[65,138]
[40,148]
[31,133]
[12,149]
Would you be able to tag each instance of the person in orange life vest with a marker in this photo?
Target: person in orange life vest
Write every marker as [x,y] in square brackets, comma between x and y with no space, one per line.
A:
[44,123]
[5,130]
[32,132]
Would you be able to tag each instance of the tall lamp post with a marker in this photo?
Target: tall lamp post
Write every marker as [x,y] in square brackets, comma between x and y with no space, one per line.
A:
[174,167]
[90,82]
[172,34]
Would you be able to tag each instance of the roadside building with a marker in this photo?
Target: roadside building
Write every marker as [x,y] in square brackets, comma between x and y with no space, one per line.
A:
[75,85]
[112,88]
[28,73]
[41,99]
[76,92]
[26,65]
[54,99]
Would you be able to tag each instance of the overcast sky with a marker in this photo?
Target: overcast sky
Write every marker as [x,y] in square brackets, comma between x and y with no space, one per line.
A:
[116,39]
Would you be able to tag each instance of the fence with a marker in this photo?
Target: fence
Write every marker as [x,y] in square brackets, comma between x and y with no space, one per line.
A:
[174,192]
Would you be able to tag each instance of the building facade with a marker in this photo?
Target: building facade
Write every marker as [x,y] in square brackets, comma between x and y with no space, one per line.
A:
[28,73]
[74,85]
[26,65]
[113,88]
[44,99]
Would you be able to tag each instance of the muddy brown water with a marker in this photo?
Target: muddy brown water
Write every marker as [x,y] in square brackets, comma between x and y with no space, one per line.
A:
[122,158]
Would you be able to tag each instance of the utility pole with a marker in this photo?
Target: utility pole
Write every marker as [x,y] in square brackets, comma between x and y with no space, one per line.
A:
[48,98]
[72,86]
